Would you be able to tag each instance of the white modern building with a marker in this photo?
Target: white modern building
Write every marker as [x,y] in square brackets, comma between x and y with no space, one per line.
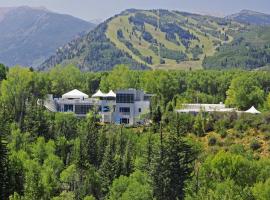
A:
[122,107]
[208,108]
[196,108]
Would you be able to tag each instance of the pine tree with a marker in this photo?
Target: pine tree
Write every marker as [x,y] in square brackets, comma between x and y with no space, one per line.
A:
[4,190]
[173,168]
[89,138]
[128,159]
[107,168]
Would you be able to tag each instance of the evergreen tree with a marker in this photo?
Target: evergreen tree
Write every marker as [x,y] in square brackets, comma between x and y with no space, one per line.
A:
[4,189]
[3,72]
[107,169]
[88,132]
[171,173]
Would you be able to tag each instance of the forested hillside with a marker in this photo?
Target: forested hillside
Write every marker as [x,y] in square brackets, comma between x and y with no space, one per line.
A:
[135,37]
[249,50]
[28,36]
[162,39]
[57,156]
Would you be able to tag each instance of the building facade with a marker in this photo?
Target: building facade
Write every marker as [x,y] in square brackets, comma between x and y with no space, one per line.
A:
[131,106]
[123,107]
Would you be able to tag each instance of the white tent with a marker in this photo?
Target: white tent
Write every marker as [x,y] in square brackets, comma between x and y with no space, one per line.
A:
[99,94]
[111,94]
[253,110]
[75,94]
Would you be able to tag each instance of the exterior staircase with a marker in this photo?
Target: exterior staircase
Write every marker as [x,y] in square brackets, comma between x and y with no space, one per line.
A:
[48,103]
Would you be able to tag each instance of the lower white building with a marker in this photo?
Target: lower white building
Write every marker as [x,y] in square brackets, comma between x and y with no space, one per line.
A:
[196,108]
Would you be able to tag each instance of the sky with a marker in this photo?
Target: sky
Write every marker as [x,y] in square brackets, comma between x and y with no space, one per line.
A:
[102,9]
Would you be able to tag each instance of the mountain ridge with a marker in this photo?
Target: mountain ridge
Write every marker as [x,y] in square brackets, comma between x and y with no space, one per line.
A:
[184,39]
[251,17]
[29,35]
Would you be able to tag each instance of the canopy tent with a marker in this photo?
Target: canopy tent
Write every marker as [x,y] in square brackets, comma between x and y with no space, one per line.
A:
[253,110]
[99,94]
[75,94]
[111,94]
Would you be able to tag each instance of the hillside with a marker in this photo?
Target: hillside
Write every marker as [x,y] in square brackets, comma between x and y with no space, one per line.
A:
[162,39]
[251,17]
[134,37]
[30,35]
[249,50]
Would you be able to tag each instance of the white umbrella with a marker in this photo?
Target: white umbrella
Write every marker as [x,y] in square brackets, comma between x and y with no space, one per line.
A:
[111,94]
[99,94]
[253,110]
[75,94]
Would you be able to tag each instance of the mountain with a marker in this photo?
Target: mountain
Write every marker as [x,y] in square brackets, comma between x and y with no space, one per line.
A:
[251,17]
[182,40]
[30,35]
[249,50]
[162,39]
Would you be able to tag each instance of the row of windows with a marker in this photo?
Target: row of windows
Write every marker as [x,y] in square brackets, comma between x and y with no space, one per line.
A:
[125,98]
[124,110]
[82,109]
[68,108]
[127,110]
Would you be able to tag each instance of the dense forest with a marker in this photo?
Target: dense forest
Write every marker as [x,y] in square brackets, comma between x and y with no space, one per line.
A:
[57,156]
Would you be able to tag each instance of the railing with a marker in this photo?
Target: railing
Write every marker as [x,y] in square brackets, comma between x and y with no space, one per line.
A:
[50,105]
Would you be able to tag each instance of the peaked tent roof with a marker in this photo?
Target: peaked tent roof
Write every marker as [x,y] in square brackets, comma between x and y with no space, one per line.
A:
[253,110]
[99,94]
[74,94]
[110,94]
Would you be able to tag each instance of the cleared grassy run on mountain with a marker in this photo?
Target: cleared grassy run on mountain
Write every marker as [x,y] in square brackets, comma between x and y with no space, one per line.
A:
[162,39]
[148,39]
[184,39]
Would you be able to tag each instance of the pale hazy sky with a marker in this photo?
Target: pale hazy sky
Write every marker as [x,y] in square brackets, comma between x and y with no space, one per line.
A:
[102,9]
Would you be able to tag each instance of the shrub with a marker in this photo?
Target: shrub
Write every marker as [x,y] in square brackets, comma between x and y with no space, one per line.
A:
[241,125]
[265,127]
[223,133]
[266,136]
[212,140]
[255,145]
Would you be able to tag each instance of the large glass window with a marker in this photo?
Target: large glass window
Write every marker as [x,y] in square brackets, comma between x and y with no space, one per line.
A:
[124,98]
[68,108]
[124,110]
[82,109]
[124,121]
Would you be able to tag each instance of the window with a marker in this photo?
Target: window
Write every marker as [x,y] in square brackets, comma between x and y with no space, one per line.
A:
[124,98]
[82,109]
[68,108]
[140,110]
[124,121]
[124,110]
[106,109]
[147,98]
